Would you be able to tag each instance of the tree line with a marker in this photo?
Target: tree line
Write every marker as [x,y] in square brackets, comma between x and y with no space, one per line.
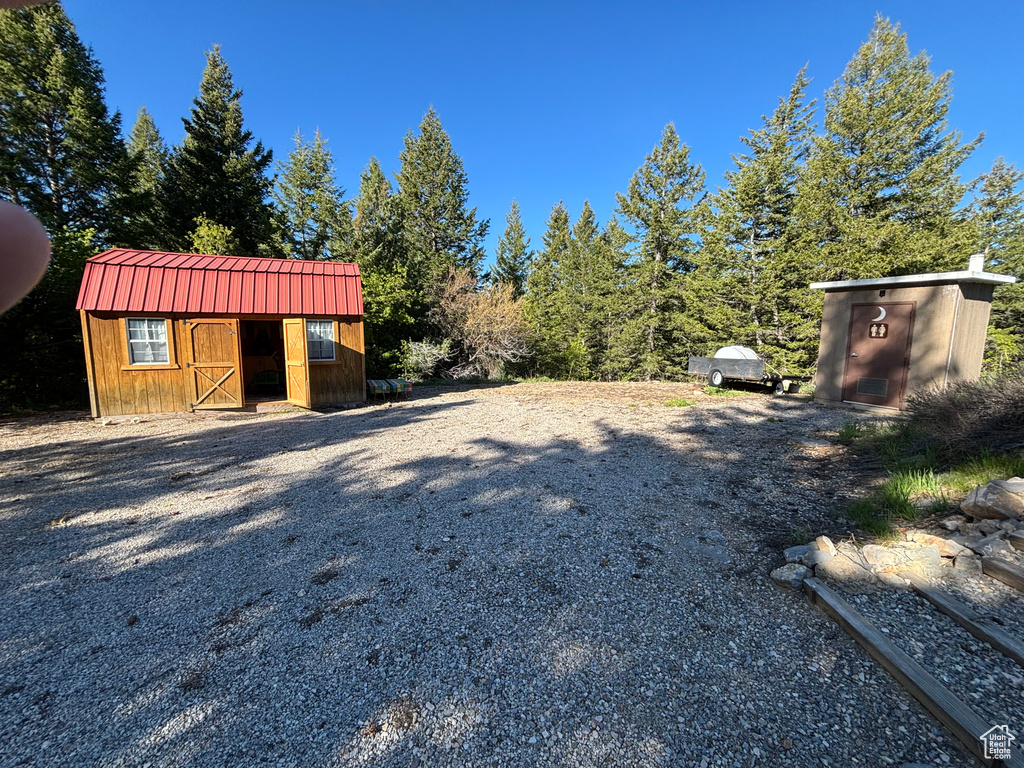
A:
[677,270]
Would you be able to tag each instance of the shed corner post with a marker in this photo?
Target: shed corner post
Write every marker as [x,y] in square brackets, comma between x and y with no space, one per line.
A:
[89,367]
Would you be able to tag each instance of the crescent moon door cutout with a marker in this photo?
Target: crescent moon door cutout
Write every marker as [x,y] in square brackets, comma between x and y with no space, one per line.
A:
[878,353]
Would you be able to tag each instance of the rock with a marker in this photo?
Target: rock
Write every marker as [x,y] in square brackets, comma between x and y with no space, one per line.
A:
[816,557]
[876,555]
[988,527]
[791,576]
[797,553]
[928,556]
[891,579]
[714,537]
[1010,525]
[993,546]
[854,554]
[967,541]
[917,765]
[946,547]
[824,544]
[970,529]
[854,576]
[953,522]
[711,551]
[998,500]
[968,562]
[987,545]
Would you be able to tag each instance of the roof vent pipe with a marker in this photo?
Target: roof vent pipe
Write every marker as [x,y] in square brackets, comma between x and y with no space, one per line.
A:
[977,263]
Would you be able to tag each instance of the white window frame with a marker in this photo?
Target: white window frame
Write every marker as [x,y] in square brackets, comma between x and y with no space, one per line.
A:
[319,345]
[148,340]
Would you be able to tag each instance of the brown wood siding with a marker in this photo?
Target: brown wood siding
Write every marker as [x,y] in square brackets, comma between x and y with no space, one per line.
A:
[89,364]
[342,380]
[121,389]
[212,368]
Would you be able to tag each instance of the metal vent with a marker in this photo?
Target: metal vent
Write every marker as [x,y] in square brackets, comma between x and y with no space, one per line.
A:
[873,387]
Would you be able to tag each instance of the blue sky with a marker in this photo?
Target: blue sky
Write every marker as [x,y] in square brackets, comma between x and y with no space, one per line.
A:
[544,101]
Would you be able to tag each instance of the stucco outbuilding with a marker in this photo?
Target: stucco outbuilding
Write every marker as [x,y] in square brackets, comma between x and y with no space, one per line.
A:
[884,338]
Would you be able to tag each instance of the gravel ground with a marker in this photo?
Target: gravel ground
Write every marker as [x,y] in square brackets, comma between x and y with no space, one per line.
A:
[988,596]
[991,684]
[528,575]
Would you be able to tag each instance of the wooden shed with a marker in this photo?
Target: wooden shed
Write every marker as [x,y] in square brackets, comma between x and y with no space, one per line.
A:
[172,332]
[884,338]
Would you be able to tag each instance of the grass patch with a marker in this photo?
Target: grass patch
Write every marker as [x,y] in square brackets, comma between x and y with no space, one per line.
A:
[799,535]
[724,392]
[965,477]
[679,402]
[946,444]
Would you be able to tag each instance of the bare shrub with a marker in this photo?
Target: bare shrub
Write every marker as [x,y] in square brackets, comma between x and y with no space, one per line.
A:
[971,417]
[420,359]
[487,325]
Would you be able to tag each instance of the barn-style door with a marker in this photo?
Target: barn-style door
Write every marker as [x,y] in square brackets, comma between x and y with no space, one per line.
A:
[211,363]
[296,361]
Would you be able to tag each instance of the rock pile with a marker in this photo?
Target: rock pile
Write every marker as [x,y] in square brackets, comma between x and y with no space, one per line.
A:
[992,526]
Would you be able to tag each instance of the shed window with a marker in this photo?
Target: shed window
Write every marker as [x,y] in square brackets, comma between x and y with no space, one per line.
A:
[147,341]
[320,339]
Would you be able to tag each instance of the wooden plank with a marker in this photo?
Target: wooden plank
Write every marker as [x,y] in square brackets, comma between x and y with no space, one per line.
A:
[89,365]
[1017,540]
[1004,571]
[965,724]
[981,626]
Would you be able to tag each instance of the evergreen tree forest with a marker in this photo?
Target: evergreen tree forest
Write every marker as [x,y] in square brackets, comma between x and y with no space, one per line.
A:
[865,184]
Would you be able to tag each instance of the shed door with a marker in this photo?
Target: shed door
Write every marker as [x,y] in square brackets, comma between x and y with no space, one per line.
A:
[878,353]
[211,363]
[296,361]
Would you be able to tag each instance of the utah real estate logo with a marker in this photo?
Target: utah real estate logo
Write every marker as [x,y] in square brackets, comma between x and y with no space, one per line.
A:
[997,742]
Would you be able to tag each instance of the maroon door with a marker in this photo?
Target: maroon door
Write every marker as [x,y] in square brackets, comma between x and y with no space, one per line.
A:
[878,353]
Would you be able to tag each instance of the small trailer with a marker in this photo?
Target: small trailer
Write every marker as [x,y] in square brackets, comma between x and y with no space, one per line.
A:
[741,364]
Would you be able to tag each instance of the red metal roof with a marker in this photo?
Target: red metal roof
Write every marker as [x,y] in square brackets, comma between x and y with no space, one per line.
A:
[188,283]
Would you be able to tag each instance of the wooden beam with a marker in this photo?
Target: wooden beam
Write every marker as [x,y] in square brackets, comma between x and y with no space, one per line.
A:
[89,368]
[1006,572]
[963,722]
[979,625]
[1017,540]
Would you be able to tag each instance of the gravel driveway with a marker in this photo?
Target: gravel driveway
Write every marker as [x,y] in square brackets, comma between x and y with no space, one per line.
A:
[523,575]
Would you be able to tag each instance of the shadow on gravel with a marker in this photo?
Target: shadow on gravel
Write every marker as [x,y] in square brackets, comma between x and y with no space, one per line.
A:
[324,589]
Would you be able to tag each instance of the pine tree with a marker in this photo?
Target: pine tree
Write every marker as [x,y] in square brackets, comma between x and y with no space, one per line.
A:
[62,158]
[215,174]
[513,254]
[441,231]
[542,306]
[750,287]
[315,223]
[61,155]
[881,189]
[147,148]
[998,214]
[665,233]
[390,301]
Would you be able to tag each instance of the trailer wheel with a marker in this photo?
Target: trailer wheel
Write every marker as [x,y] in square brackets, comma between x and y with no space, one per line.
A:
[715,378]
[780,388]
